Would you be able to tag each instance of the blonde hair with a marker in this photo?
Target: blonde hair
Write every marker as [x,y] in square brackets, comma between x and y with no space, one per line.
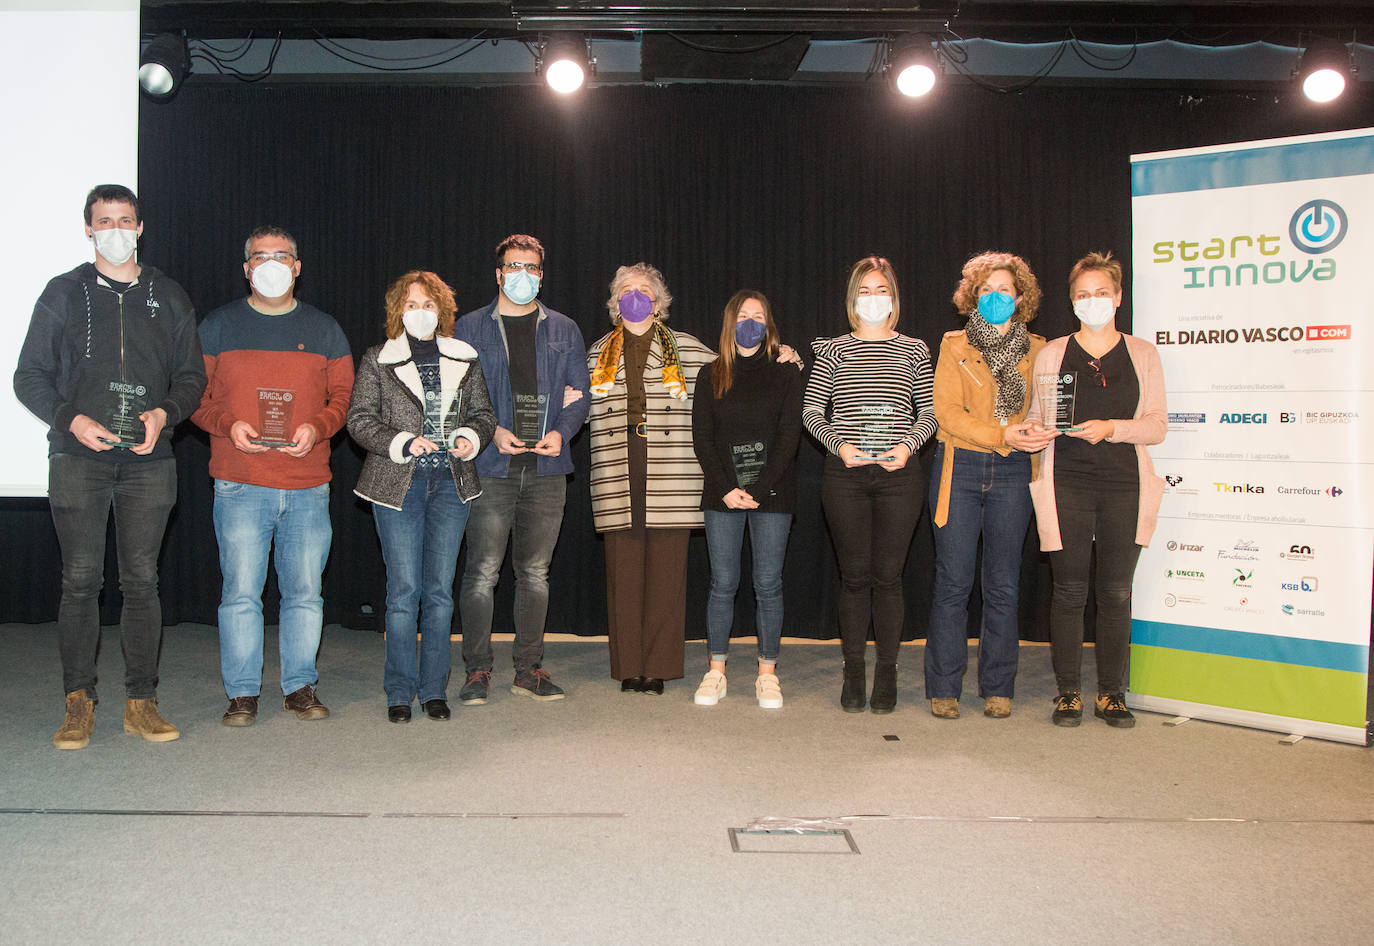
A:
[434,287]
[860,270]
[662,297]
[979,270]
[1098,263]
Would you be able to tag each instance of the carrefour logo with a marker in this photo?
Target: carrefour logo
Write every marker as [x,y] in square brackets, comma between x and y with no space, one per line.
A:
[1318,226]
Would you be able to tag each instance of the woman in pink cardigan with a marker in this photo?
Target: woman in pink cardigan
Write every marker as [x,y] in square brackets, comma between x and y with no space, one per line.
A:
[1097,485]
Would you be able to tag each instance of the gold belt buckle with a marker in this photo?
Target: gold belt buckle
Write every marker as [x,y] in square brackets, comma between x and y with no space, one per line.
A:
[641,430]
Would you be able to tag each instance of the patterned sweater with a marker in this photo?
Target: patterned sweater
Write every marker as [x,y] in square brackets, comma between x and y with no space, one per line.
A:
[249,356]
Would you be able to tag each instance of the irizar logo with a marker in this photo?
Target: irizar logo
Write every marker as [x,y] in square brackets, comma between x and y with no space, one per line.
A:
[1318,226]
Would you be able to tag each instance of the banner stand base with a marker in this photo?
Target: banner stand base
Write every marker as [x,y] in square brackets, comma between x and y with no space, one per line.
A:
[1287,725]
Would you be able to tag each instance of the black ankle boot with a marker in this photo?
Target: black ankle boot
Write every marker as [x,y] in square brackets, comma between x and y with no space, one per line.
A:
[884,698]
[852,694]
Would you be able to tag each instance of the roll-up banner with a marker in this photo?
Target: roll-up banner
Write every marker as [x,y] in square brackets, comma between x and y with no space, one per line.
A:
[1254,276]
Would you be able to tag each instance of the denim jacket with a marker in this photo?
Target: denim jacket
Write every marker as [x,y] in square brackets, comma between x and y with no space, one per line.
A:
[560,360]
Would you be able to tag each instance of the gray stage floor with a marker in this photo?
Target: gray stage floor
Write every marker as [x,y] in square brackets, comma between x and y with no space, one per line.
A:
[606,817]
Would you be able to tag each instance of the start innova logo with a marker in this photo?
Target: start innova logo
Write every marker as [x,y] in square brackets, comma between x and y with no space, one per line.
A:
[1318,226]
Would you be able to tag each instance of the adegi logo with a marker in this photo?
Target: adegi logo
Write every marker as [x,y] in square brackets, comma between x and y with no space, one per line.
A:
[1318,226]
[1237,418]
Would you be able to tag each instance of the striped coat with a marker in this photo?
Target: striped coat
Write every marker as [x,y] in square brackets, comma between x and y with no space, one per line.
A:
[674,479]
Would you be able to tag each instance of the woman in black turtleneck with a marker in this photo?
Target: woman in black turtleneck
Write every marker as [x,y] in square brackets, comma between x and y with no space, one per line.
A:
[746,421]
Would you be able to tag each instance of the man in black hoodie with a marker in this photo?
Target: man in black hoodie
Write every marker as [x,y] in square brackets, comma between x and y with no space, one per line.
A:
[111,363]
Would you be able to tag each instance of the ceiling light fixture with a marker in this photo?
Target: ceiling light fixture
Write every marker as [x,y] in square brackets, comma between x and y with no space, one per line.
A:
[1323,69]
[913,65]
[565,61]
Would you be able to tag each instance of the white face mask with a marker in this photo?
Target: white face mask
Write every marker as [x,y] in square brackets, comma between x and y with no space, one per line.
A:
[420,323]
[873,309]
[1095,311]
[115,245]
[272,279]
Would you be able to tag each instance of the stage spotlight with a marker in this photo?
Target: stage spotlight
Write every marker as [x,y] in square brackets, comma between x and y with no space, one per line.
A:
[164,63]
[1323,69]
[913,65]
[565,62]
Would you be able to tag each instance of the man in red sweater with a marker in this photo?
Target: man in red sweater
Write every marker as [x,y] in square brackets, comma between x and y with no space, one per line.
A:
[280,376]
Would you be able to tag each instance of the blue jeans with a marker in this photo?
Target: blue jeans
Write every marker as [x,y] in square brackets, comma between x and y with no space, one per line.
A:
[420,543]
[524,510]
[768,544]
[989,496]
[81,491]
[249,520]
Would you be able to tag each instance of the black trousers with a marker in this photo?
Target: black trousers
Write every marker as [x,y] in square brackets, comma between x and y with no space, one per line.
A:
[872,514]
[1105,519]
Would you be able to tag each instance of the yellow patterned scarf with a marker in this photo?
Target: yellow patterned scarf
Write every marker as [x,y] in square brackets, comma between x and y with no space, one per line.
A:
[608,362]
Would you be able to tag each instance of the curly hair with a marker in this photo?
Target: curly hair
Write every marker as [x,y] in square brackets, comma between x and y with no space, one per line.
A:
[434,287]
[662,297]
[981,267]
[1097,262]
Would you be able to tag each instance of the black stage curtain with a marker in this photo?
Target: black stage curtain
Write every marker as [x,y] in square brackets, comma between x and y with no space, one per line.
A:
[774,188]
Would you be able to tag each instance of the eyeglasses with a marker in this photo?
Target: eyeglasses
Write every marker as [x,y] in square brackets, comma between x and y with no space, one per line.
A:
[1099,378]
[281,256]
[513,267]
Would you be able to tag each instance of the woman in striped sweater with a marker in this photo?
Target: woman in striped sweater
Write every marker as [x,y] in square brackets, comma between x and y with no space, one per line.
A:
[869,404]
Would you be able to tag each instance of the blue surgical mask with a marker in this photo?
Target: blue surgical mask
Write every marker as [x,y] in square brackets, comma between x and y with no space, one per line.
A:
[996,307]
[635,306]
[520,286]
[749,333]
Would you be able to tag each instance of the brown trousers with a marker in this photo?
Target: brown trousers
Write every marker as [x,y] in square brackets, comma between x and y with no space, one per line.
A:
[646,588]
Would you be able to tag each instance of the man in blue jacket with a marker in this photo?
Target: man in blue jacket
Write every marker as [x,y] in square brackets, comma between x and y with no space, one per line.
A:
[111,363]
[534,360]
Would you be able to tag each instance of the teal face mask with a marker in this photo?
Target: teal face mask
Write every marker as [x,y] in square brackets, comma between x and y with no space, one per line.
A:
[996,307]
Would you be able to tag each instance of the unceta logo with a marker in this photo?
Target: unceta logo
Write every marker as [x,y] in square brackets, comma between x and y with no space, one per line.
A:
[1318,226]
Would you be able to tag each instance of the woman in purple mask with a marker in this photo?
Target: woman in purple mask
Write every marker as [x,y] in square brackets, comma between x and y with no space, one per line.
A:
[645,481]
[746,421]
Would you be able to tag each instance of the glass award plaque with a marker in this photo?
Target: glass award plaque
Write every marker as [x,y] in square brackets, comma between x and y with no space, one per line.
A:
[880,429]
[1056,393]
[448,424]
[531,418]
[276,415]
[749,460]
[124,402]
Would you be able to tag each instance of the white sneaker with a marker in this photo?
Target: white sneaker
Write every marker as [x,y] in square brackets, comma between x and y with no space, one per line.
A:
[768,691]
[712,689]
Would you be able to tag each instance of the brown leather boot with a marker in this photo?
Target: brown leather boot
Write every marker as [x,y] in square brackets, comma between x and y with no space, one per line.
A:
[78,724]
[143,717]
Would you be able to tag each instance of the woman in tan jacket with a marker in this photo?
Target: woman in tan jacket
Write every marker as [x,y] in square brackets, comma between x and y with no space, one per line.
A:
[982,394]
